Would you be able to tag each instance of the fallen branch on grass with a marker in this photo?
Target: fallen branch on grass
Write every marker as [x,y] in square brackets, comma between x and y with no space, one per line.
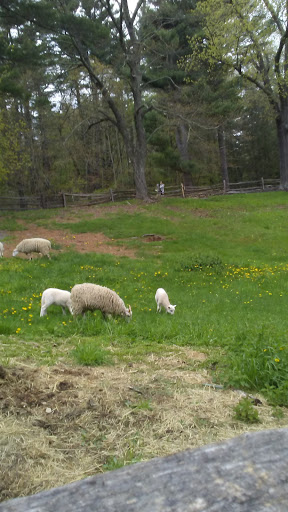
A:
[244,474]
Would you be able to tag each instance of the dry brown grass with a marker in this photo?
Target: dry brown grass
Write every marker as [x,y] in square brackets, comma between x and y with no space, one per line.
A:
[60,424]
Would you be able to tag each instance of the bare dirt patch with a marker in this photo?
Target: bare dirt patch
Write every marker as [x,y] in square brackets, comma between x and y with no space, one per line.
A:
[194,212]
[60,424]
[72,215]
[153,238]
[81,242]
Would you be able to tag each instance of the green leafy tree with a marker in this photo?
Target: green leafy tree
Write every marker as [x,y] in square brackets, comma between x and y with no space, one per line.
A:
[24,80]
[92,34]
[14,158]
[252,146]
[250,37]
[197,104]
[165,26]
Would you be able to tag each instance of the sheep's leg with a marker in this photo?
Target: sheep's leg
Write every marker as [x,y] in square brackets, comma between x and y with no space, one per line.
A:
[43,311]
[158,308]
[63,310]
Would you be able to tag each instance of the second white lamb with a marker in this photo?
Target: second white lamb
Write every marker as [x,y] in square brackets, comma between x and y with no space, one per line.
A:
[162,299]
[55,296]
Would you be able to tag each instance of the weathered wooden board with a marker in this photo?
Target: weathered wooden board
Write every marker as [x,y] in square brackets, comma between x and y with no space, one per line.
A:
[246,474]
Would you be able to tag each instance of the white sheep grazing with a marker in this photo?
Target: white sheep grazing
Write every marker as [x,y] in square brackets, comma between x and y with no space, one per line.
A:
[162,299]
[90,297]
[55,296]
[29,245]
[1,250]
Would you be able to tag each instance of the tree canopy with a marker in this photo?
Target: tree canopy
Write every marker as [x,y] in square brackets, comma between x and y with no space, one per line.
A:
[250,37]
[106,94]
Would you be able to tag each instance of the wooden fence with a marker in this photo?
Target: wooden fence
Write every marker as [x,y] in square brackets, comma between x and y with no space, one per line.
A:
[64,199]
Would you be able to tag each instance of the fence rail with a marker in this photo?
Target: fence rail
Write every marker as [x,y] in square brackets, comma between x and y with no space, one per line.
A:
[64,199]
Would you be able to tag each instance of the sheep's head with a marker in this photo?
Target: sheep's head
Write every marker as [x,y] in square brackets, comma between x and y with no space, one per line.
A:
[15,252]
[171,309]
[128,313]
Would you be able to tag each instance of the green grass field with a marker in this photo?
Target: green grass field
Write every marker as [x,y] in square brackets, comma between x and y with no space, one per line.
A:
[222,260]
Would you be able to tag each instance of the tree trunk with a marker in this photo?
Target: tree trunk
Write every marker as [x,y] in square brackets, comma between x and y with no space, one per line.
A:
[139,166]
[139,157]
[29,142]
[135,145]
[182,145]
[223,155]
[139,143]
[43,182]
[282,132]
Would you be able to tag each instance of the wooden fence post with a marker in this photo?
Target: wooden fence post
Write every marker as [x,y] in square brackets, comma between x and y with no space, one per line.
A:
[263,186]
[183,190]
[111,194]
[64,200]
[43,201]
[224,186]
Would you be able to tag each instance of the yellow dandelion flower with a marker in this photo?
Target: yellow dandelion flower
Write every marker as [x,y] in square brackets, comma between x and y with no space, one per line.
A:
[277,360]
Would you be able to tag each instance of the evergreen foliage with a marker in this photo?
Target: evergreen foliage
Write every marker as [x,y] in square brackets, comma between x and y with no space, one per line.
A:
[95,94]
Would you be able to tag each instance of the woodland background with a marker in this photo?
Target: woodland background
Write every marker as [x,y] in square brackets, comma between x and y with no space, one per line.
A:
[95,94]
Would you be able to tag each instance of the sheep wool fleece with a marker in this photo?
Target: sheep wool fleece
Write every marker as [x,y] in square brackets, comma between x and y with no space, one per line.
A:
[29,245]
[89,297]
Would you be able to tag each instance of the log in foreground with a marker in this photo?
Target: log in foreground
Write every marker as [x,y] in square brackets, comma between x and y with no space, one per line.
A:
[248,474]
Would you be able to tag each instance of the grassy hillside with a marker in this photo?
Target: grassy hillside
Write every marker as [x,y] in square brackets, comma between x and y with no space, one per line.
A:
[83,395]
[222,260]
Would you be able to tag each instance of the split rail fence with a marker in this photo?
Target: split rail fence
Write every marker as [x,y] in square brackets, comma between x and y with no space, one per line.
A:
[64,199]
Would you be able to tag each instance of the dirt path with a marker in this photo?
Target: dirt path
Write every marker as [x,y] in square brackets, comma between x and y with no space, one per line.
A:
[81,242]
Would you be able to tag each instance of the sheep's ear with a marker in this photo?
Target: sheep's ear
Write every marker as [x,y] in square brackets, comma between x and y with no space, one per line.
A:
[174,305]
[129,309]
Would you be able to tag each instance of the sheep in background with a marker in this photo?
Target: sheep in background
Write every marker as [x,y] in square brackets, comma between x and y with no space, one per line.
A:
[162,299]
[55,296]
[1,250]
[29,245]
[90,297]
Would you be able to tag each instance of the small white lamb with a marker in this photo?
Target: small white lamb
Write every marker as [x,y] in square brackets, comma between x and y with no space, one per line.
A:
[1,250]
[55,296]
[162,299]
